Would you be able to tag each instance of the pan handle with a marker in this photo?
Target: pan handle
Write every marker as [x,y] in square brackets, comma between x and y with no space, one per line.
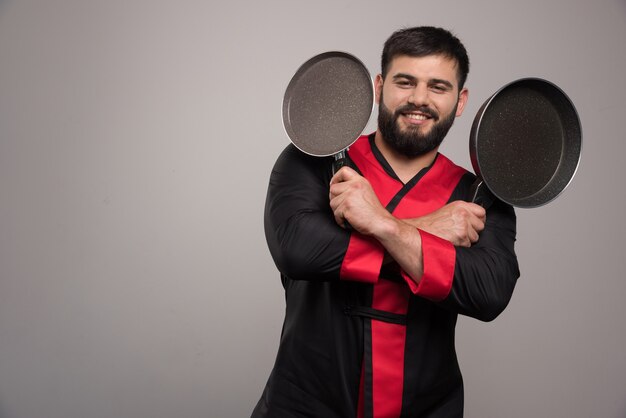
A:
[480,193]
[341,159]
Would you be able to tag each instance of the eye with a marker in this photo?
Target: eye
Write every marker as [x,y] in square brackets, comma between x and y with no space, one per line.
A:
[440,87]
[404,83]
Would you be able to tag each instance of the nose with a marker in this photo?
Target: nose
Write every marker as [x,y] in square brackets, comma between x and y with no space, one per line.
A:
[419,95]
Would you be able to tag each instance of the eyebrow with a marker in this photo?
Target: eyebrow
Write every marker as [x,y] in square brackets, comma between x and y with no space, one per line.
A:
[431,81]
[406,76]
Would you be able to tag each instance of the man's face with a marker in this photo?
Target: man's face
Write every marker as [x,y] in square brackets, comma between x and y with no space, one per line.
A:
[418,101]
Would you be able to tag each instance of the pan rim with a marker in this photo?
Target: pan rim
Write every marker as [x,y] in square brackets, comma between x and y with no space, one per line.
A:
[303,66]
[521,202]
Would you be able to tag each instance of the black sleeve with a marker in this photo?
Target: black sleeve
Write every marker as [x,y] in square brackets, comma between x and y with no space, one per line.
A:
[485,274]
[302,236]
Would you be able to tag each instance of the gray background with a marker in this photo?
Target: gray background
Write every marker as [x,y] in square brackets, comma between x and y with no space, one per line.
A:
[136,141]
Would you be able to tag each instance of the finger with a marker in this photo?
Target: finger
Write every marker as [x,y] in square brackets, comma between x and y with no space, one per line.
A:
[344,174]
[477,223]
[465,242]
[472,235]
[334,202]
[337,203]
[476,210]
[340,219]
[477,216]
[337,188]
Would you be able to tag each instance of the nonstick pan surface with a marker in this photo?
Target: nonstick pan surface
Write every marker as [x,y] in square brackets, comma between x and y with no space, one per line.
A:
[526,142]
[328,103]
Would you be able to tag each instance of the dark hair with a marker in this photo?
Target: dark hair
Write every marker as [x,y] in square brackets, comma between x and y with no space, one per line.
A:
[426,40]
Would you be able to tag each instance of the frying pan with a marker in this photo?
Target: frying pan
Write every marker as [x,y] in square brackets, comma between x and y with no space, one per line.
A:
[525,144]
[327,105]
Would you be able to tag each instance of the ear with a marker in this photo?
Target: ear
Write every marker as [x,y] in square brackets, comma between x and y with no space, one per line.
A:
[378,87]
[463,96]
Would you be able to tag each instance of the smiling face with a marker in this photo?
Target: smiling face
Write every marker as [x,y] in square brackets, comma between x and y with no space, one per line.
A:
[418,101]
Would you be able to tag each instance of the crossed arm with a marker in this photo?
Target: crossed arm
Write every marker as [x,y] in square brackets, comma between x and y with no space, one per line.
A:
[306,243]
[353,200]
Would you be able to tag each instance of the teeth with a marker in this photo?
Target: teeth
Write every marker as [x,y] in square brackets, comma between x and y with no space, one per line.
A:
[416,117]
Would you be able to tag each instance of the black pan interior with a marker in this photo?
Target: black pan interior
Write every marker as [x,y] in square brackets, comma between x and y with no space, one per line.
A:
[328,103]
[528,143]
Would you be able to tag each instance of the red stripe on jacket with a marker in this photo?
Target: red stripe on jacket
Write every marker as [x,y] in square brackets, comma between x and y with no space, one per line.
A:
[364,258]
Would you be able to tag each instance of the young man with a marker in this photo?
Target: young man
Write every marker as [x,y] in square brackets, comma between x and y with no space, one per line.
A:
[371,309]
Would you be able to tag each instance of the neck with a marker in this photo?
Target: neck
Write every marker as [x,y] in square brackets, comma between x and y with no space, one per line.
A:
[405,167]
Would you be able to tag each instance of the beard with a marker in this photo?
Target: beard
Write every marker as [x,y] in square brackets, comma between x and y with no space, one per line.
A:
[410,142]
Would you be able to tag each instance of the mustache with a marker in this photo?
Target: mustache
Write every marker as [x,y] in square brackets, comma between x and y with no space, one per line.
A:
[410,107]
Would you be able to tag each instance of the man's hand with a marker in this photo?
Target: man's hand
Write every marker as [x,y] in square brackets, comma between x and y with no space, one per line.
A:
[352,199]
[457,222]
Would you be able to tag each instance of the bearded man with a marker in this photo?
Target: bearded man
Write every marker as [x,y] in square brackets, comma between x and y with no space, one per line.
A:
[371,309]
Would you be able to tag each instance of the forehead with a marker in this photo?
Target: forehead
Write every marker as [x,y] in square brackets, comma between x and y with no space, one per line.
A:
[425,68]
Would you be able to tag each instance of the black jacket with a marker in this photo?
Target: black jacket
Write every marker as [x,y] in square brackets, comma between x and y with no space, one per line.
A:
[359,339]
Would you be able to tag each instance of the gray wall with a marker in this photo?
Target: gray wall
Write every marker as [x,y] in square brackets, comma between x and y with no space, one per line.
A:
[136,140]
